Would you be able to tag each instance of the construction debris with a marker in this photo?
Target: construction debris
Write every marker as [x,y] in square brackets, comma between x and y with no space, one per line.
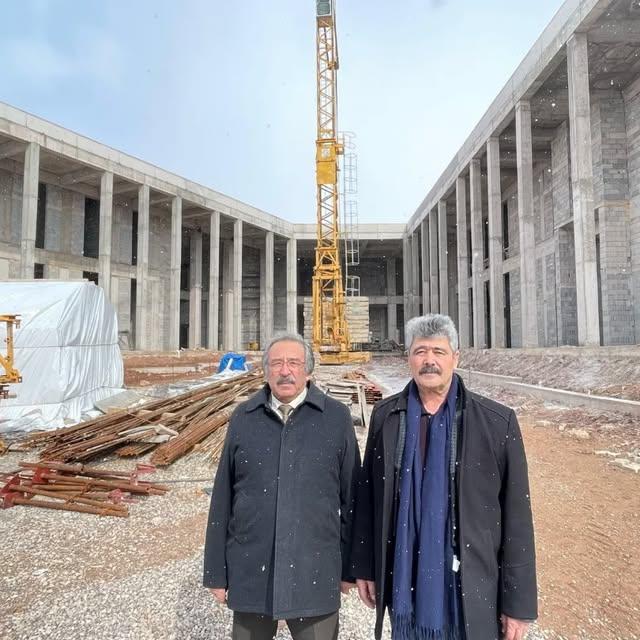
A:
[65,487]
[171,426]
[372,391]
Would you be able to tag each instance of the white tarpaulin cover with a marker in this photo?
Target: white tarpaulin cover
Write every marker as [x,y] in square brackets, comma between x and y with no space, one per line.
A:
[66,351]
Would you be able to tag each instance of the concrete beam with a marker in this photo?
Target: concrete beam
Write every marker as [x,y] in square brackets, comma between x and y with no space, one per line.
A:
[125,187]
[80,175]
[156,200]
[104,234]
[616,31]
[582,190]
[463,261]
[15,166]
[31,178]
[526,226]
[11,149]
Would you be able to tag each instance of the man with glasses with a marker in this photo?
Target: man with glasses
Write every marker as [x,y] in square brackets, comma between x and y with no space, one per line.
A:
[279,528]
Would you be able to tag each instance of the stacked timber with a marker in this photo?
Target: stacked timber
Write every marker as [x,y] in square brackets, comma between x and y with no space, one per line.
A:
[170,427]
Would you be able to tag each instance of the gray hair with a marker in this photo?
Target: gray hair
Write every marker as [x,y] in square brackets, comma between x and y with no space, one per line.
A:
[432,325]
[309,360]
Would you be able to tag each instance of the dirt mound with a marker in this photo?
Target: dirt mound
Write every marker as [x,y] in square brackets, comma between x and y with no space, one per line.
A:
[607,372]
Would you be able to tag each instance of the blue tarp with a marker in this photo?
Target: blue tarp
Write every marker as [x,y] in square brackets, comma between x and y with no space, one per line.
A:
[233,362]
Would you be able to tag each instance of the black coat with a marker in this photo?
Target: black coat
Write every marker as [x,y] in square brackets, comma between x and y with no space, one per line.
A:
[279,528]
[496,544]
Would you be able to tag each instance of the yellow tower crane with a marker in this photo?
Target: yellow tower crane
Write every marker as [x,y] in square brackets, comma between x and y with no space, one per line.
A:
[330,329]
[11,374]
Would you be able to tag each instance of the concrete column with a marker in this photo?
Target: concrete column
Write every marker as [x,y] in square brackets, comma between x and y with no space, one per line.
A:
[228,296]
[463,261]
[392,322]
[496,283]
[292,286]
[237,286]
[266,290]
[443,264]
[29,209]
[406,278]
[524,158]
[214,281]
[195,290]
[582,188]
[176,265]
[104,236]
[142,270]
[477,262]
[415,274]
[426,284]
[434,284]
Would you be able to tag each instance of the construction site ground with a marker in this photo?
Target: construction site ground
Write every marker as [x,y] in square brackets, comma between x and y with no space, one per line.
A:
[69,575]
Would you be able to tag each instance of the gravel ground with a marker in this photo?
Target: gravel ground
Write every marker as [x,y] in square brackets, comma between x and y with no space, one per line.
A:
[77,576]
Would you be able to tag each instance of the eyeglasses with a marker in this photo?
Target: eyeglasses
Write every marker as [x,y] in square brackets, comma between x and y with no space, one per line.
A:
[292,364]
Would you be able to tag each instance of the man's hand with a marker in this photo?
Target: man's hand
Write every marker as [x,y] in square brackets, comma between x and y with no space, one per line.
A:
[367,592]
[513,629]
[220,595]
[345,587]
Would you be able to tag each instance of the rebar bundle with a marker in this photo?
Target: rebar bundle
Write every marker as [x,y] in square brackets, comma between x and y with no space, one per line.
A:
[52,485]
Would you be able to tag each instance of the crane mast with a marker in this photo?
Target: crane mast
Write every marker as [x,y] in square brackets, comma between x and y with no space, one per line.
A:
[330,331]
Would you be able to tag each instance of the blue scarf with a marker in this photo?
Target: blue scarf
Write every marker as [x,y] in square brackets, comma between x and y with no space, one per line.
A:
[425,601]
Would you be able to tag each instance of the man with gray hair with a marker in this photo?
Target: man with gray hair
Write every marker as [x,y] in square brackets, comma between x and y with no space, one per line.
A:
[279,528]
[443,533]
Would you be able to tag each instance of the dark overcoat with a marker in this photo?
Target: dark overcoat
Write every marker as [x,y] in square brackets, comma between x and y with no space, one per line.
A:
[279,528]
[495,529]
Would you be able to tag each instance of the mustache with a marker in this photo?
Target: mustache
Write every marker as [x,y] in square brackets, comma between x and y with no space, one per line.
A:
[429,368]
[285,380]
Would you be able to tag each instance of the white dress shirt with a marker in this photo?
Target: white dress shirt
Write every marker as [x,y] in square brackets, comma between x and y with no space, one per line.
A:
[298,400]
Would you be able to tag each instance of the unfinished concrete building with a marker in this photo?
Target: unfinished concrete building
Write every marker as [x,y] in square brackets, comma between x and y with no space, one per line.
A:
[183,264]
[531,237]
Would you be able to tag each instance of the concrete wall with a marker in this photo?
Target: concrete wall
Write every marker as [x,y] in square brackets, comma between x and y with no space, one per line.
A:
[250,296]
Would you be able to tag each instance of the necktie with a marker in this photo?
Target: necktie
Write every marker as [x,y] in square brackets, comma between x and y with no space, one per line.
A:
[285,410]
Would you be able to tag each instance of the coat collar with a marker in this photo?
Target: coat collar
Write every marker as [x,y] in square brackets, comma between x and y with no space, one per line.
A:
[262,397]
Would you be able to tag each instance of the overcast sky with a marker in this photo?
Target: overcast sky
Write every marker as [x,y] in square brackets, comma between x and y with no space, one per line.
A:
[223,93]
